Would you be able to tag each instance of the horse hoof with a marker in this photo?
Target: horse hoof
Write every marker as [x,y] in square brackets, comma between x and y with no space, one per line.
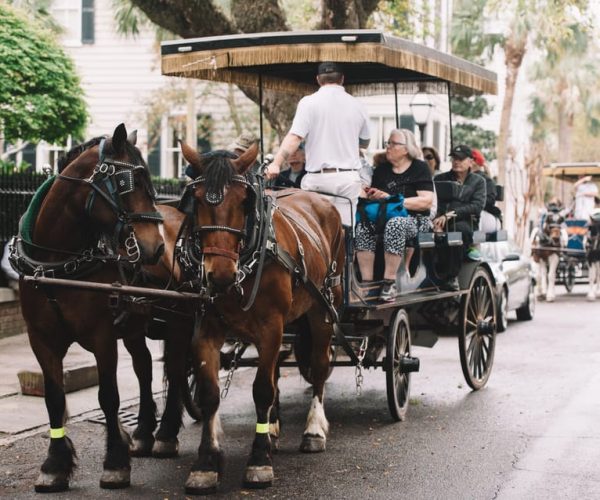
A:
[141,447]
[115,479]
[591,298]
[549,299]
[165,449]
[51,483]
[312,443]
[258,476]
[202,482]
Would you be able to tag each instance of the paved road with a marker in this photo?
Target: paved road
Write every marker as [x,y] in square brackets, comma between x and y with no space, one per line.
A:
[531,433]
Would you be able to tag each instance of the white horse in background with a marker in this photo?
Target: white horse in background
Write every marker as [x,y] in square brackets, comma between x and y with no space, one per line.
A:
[546,245]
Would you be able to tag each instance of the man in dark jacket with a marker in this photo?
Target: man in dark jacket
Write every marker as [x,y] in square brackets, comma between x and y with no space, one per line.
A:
[461,196]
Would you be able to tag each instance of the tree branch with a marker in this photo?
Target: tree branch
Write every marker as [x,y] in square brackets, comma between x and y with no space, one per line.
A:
[258,16]
[187,18]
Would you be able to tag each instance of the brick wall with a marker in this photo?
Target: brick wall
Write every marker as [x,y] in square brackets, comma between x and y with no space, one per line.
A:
[11,321]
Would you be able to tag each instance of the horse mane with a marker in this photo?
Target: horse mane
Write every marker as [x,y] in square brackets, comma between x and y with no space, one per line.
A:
[76,151]
[217,170]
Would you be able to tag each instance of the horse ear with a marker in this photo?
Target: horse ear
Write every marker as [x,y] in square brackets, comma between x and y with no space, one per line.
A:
[192,157]
[132,138]
[119,138]
[246,160]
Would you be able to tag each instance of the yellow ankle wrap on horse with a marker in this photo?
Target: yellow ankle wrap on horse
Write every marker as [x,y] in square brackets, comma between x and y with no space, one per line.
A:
[262,428]
[57,433]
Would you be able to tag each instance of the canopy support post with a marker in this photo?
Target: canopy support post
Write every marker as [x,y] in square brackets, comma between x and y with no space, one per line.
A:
[260,114]
[396,104]
[450,113]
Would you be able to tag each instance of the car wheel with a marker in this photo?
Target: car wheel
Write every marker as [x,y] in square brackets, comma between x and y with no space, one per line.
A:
[527,310]
[502,321]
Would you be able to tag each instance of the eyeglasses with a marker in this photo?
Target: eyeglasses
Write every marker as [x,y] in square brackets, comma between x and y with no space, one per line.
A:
[429,157]
[390,144]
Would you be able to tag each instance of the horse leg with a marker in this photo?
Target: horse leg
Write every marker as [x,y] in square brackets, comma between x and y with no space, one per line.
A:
[553,260]
[58,467]
[315,432]
[204,476]
[593,279]
[143,438]
[117,467]
[175,355]
[259,469]
[542,278]
[275,415]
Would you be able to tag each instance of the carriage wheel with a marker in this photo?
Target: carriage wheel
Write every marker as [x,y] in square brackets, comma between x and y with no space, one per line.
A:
[477,341]
[570,277]
[397,379]
[191,393]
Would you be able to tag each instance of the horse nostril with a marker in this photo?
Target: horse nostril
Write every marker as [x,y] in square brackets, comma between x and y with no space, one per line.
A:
[160,250]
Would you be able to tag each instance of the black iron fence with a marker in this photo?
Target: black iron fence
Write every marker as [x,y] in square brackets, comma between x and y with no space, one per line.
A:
[17,189]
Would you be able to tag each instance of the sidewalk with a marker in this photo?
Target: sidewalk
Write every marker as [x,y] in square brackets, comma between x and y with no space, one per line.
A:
[20,413]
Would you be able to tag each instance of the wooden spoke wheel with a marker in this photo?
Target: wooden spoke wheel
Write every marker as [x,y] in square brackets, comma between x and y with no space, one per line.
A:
[477,340]
[397,376]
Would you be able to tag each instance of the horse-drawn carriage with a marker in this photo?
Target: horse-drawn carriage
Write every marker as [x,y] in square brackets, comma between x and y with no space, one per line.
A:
[562,240]
[276,268]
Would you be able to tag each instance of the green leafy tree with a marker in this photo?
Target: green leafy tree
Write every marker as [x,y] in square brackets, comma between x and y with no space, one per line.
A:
[40,96]
[566,82]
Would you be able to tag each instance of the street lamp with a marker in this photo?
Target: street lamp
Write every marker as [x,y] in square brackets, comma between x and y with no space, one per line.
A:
[420,106]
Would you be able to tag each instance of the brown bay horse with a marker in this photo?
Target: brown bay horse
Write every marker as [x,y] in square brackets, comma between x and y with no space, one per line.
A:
[303,253]
[103,193]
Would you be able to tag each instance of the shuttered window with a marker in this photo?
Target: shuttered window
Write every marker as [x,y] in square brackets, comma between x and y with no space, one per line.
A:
[87,21]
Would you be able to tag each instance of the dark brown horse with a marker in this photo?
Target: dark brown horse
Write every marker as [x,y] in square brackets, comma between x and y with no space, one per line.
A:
[593,256]
[300,277]
[546,246]
[104,193]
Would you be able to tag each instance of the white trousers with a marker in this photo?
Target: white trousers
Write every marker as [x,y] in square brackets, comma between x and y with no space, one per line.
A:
[345,185]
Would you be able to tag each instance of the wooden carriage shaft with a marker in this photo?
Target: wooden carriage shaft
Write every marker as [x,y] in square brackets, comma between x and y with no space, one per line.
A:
[114,288]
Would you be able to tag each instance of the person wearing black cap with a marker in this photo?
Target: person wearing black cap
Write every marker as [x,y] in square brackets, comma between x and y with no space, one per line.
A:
[334,125]
[466,201]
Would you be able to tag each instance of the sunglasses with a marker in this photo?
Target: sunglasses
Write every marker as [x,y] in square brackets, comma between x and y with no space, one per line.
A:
[429,157]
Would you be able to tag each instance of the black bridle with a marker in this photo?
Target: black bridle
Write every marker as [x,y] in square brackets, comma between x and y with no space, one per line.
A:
[110,181]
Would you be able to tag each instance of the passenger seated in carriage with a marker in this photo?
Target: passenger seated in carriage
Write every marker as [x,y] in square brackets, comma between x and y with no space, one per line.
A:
[491,216]
[400,171]
[460,209]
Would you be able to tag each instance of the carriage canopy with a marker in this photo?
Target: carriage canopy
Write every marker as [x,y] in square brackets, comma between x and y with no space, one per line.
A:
[570,172]
[287,61]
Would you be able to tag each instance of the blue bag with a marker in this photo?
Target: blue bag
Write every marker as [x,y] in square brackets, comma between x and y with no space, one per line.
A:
[380,211]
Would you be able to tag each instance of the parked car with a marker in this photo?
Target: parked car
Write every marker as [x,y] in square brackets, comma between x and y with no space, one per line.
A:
[515,281]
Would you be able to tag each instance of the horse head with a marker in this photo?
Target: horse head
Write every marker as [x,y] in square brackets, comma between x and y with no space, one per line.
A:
[120,201]
[552,228]
[219,200]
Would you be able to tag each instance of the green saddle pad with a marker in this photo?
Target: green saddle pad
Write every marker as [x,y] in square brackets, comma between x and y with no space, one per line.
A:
[29,217]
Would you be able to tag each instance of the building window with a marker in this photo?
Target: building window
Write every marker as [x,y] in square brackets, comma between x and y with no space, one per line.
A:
[87,21]
[77,20]
[407,122]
